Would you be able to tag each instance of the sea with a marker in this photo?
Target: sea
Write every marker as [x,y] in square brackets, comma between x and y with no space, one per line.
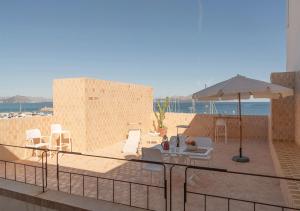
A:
[23,107]
[228,108]
[224,108]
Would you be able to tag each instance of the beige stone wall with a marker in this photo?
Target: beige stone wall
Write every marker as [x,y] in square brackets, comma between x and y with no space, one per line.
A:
[98,112]
[297,107]
[254,127]
[110,109]
[69,107]
[13,132]
[283,110]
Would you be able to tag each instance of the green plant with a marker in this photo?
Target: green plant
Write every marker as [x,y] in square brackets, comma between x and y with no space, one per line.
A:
[161,111]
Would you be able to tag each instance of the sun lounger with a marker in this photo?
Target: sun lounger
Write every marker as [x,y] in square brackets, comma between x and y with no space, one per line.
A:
[131,144]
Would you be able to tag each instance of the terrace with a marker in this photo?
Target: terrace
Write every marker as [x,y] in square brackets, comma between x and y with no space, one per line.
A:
[97,175]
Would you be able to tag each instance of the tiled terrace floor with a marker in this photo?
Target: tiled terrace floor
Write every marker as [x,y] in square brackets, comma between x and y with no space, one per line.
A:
[214,183]
[288,154]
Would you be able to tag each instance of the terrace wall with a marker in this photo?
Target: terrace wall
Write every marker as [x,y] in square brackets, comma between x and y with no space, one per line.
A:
[69,100]
[13,132]
[98,112]
[254,127]
[114,108]
[283,111]
[297,107]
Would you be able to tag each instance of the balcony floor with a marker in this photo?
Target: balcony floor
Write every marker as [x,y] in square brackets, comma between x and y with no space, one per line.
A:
[208,182]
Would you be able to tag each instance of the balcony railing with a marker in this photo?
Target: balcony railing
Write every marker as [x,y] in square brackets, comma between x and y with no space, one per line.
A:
[67,181]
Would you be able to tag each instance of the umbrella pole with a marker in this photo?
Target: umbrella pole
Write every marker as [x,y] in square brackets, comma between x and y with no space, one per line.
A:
[240,158]
[240,124]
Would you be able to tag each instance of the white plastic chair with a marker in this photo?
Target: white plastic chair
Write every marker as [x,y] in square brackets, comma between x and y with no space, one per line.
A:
[131,144]
[220,124]
[154,155]
[205,143]
[56,130]
[34,139]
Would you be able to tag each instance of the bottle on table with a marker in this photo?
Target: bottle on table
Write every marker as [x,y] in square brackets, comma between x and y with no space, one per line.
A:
[178,141]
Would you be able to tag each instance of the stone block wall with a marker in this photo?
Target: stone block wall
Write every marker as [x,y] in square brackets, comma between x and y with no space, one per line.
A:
[13,132]
[297,107]
[113,108]
[254,127]
[100,113]
[69,109]
[283,110]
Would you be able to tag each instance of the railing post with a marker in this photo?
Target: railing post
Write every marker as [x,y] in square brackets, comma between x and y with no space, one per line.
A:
[45,170]
[57,170]
[166,189]
[185,188]
[43,176]
[171,171]
[15,166]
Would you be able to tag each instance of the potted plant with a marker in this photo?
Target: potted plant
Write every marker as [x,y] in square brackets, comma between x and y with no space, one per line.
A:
[160,116]
[191,145]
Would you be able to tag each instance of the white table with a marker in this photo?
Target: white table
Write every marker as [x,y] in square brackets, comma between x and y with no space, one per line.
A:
[182,152]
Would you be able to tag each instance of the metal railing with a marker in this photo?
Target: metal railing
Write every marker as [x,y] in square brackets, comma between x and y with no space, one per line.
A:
[229,200]
[166,187]
[25,166]
[114,181]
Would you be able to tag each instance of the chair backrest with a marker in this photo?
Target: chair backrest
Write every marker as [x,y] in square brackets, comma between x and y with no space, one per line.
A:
[204,142]
[132,143]
[33,134]
[151,154]
[134,134]
[220,122]
[56,128]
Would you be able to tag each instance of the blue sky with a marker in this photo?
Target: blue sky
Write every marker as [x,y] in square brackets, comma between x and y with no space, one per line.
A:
[175,46]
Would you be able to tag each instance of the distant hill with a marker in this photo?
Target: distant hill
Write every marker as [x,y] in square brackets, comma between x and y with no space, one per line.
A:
[23,99]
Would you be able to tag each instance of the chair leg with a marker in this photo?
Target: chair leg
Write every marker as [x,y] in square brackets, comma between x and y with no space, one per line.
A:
[36,154]
[60,144]
[70,145]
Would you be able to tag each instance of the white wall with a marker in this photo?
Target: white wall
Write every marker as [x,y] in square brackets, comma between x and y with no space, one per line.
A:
[293,35]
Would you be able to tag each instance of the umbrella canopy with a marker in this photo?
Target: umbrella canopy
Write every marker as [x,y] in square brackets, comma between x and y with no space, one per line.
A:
[246,87]
[240,87]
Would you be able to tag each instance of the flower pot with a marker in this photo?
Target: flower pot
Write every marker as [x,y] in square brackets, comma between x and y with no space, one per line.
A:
[162,131]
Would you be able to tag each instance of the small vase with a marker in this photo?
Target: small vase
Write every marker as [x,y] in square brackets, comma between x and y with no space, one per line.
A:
[162,131]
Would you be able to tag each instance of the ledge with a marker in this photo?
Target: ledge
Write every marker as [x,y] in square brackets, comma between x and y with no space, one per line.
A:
[54,199]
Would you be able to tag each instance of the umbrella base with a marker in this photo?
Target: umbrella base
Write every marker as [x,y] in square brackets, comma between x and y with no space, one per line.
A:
[241,159]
